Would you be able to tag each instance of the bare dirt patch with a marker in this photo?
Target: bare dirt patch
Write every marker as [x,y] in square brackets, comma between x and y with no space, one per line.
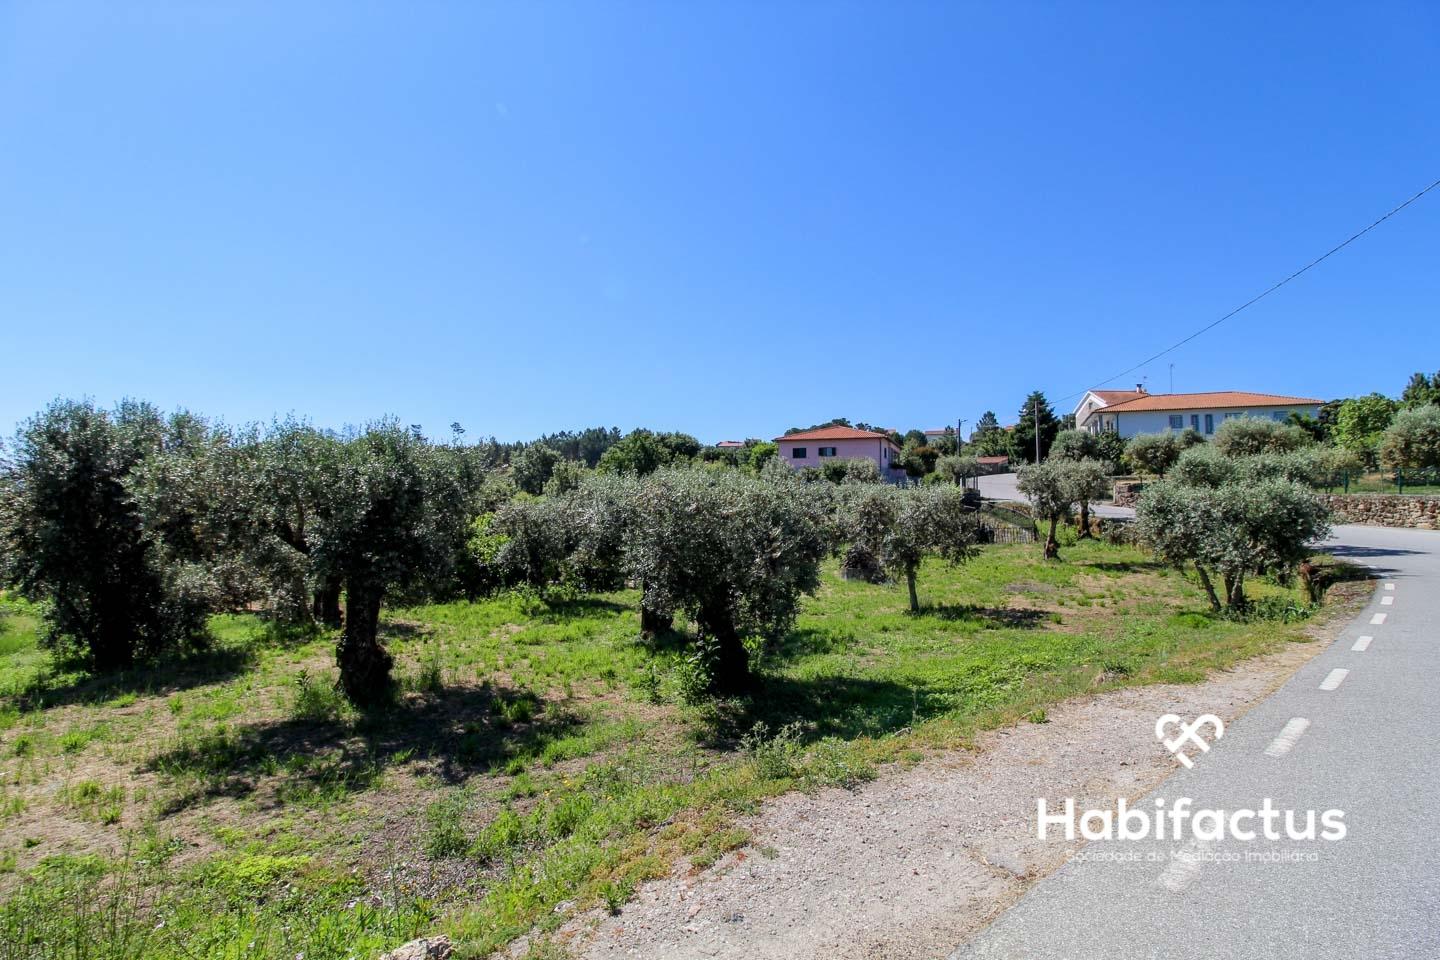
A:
[912,864]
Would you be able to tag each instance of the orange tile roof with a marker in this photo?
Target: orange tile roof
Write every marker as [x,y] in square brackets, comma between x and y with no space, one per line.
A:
[834,433]
[992,459]
[1116,396]
[1208,401]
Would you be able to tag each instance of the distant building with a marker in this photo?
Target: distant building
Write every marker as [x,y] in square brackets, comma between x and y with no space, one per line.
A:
[730,444]
[1130,412]
[811,448]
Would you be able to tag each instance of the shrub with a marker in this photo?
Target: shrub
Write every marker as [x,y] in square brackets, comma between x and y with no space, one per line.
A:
[1245,436]
[1076,445]
[1412,441]
[956,469]
[1203,466]
[1156,453]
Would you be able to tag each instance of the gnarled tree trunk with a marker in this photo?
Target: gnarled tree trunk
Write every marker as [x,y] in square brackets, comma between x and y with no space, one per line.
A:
[1083,531]
[719,642]
[364,663]
[1052,545]
[914,597]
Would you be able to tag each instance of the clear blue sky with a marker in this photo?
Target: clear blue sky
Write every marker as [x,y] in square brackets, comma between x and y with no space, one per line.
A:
[726,218]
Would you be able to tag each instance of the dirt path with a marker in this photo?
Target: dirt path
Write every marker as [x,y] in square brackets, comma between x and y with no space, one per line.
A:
[910,865]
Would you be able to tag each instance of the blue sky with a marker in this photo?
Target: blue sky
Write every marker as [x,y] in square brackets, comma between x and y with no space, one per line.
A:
[724,218]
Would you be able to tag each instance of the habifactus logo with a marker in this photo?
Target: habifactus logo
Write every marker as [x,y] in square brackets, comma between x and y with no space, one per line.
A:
[1179,822]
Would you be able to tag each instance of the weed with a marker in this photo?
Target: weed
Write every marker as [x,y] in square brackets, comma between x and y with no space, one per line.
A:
[444,829]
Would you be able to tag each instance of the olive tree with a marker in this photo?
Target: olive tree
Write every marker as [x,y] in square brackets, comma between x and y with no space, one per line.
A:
[1076,445]
[900,528]
[732,552]
[1089,481]
[1412,441]
[1232,531]
[957,469]
[72,534]
[1156,453]
[1245,436]
[395,518]
[1203,466]
[1052,494]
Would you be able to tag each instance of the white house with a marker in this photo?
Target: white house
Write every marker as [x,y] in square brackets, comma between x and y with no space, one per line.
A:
[1128,412]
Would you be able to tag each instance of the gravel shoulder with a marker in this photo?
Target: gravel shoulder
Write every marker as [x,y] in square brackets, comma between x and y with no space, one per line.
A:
[919,860]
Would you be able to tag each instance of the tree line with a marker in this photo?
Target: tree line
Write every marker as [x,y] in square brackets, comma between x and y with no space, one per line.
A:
[133,527]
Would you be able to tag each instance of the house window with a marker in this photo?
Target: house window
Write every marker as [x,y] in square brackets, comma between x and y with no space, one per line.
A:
[827,451]
[1177,421]
[1278,416]
[1209,423]
[1194,421]
[799,453]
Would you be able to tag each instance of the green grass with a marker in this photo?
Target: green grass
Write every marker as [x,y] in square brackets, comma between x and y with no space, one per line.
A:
[538,755]
[1384,482]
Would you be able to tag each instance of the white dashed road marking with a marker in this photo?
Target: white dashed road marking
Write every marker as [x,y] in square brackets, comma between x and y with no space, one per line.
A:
[1386,600]
[1389,586]
[1362,643]
[1184,867]
[1378,619]
[1337,676]
[1288,737]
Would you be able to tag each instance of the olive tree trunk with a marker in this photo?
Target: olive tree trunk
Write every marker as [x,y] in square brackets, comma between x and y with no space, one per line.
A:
[727,659]
[1083,531]
[1052,545]
[910,584]
[1209,586]
[364,662]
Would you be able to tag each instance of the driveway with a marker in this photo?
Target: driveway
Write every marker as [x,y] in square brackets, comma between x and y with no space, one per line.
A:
[1003,486]
[1354,730]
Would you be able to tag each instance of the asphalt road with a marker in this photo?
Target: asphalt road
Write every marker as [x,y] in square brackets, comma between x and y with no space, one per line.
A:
[1002,486]
[1371,748]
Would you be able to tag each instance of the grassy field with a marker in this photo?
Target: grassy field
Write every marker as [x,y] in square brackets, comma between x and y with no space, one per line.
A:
[540,759]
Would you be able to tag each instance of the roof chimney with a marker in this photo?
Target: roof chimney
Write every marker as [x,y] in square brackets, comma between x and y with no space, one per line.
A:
[1139,388]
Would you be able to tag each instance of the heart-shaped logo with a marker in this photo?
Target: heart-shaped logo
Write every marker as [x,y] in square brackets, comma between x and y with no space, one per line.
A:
[1188,734]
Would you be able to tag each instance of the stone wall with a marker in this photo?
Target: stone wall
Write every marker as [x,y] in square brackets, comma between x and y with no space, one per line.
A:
[1126,491]
[1385,510]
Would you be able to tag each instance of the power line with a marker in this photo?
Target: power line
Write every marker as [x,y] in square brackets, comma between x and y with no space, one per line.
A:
[1256,299]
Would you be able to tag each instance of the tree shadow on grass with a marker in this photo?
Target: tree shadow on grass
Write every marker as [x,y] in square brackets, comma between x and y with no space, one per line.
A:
[1125,566]
[574,608]
[457,732]
[997,618]
[843,707]
[200,668]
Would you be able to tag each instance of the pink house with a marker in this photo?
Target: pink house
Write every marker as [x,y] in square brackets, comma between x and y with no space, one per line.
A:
[811,448]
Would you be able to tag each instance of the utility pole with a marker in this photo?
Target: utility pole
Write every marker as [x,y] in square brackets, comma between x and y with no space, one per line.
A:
[959,427]
[1037,429]
[1172,378]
